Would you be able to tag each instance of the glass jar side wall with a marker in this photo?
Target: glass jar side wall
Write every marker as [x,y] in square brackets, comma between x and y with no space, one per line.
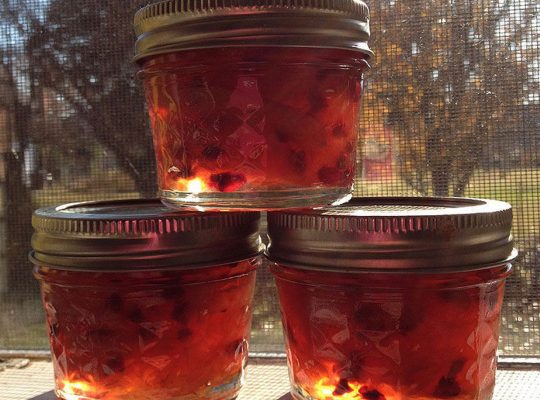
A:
[255,127]
[391,337]
[149,334]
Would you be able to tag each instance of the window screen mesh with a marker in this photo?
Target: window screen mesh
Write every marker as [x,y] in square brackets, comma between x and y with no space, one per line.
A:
[451,107]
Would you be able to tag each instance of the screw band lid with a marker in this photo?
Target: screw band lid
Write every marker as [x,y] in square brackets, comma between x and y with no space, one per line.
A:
[132,234]
[175,25]
[395,233]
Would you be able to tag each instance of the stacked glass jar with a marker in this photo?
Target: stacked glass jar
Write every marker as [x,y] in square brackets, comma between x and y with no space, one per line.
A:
[254,105]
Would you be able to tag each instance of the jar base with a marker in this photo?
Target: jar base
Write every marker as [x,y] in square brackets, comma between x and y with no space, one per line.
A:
[60,395]
[227,391]
[297,393]
[261,201]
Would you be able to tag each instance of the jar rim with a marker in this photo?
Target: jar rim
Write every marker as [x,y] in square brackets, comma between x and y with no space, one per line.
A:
[248,271]
[400,271]
[103,264]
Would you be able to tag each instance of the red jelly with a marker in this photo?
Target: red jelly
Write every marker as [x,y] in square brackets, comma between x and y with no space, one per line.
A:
[392,299]
[247,117]
[138,305]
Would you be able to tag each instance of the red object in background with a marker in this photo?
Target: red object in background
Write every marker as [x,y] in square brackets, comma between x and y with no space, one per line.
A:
[378,156]
[255,120]
[390,336]
[157,335]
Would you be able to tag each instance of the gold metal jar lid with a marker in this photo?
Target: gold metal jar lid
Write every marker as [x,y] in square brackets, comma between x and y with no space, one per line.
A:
[140,234]
[174,25]
[394,233]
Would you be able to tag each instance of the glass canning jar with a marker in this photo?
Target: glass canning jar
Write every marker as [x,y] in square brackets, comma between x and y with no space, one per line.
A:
[254,104]
[145,303]
[392,298]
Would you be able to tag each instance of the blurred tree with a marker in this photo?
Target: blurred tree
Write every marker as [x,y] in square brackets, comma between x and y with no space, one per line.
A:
[17,92]
[436,82]
[64,61]
[450,78]
[83,53]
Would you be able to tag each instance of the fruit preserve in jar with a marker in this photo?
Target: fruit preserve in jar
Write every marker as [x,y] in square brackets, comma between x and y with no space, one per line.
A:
[145,303]
[392,298]
[254,104]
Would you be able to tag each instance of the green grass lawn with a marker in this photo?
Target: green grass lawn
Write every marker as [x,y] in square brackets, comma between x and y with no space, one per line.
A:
[30,337]
[520,188]
[22,325]
[48,197]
